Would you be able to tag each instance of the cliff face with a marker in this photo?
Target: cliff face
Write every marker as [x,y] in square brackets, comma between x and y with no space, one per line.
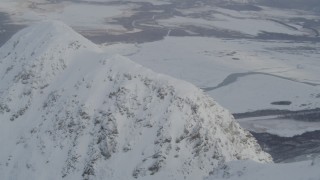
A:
[68,110]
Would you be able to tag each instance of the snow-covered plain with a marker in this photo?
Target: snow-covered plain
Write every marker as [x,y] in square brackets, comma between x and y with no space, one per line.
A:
[268,70]
[249,170]
[249,26]
[83,16]
[246,22]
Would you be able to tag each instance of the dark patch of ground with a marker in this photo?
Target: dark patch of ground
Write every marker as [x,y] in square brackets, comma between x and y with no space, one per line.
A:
[284,103]
[302,114]
[286,149]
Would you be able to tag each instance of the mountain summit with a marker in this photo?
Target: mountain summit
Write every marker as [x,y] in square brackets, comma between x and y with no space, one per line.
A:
[70,111]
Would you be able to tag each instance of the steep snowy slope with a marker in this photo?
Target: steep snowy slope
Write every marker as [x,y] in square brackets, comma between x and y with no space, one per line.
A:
[68,110]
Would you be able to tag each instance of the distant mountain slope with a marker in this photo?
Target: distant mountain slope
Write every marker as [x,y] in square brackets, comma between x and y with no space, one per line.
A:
[70,111]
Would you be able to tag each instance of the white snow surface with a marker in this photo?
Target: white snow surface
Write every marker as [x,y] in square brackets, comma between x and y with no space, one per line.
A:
[69,110]
[249,170]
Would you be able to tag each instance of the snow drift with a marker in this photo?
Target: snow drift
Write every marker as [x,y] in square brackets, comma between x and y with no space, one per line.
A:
[68,110]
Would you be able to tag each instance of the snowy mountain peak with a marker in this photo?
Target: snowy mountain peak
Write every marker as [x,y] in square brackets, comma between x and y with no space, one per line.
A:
[69,111]
[42,36]
[42,50]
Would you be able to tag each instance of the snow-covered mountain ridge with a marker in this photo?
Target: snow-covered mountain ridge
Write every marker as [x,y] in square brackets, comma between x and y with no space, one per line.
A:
[68,110]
